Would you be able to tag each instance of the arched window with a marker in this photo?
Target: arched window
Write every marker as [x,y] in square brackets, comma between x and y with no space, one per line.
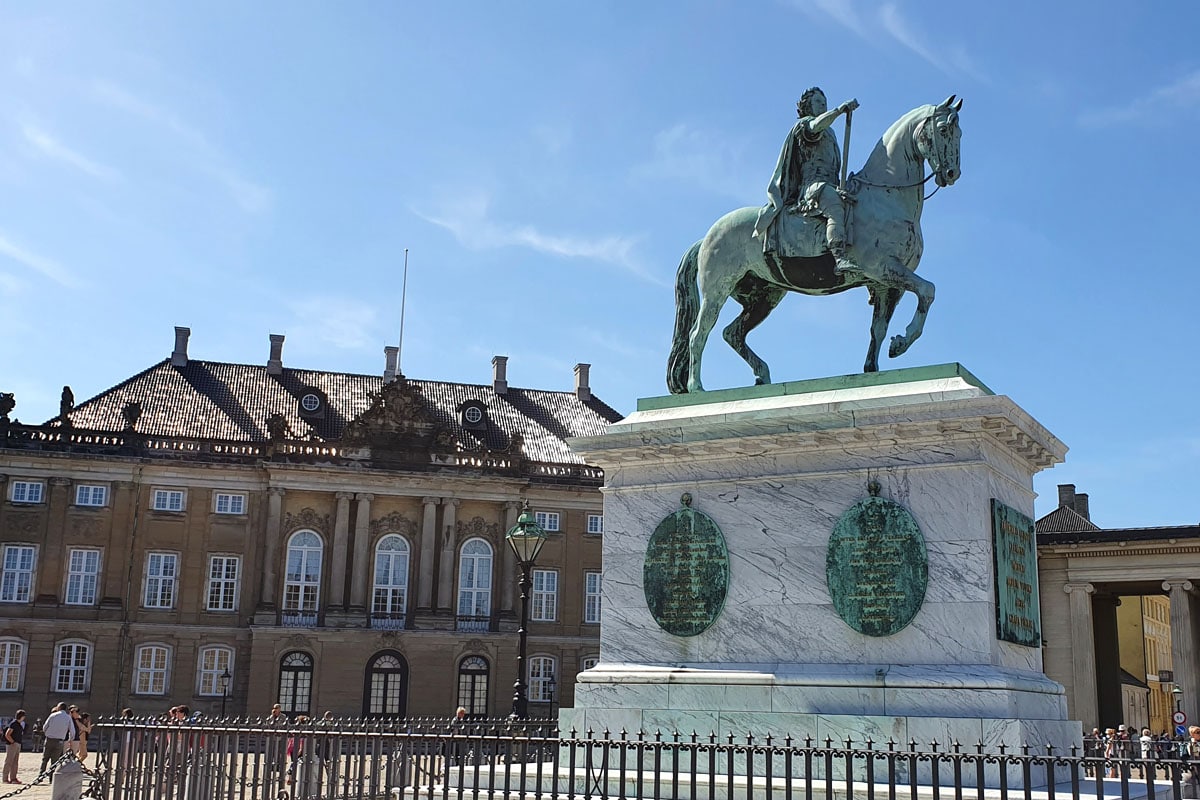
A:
[390,596]
[475,586]
[72,667]
[386,688]
[150,665]
[542,672]
[215,661]
[587,662]
[295,682]
[12,665]
[302,581]
[473,685]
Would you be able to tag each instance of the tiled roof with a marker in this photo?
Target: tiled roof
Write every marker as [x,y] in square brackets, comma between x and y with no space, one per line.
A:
[231,402]
[1064,519]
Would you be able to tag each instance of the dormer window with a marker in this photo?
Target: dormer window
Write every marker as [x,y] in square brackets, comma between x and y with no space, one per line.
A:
[310,403]
[473,415]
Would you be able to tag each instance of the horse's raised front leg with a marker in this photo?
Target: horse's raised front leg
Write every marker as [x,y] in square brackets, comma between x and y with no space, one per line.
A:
[923,289]
[883,301]
[758,299]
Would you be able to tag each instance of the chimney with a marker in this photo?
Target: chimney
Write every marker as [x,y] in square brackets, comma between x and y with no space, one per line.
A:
[500,374]
[391,354]
[1081,506]
[179,357]
[275,362]
[1066,495]
[582,390]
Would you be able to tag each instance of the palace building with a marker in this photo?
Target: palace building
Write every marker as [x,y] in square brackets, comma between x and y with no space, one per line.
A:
[228,536]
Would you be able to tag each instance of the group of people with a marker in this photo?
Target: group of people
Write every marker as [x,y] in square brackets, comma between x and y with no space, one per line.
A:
[1125,743]
[66,728]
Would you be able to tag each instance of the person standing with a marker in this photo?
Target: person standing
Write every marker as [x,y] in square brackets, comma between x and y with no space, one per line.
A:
[13,736]
[1191,770]
[58,730]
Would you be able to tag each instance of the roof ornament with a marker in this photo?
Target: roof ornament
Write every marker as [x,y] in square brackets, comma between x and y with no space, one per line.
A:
[131,412]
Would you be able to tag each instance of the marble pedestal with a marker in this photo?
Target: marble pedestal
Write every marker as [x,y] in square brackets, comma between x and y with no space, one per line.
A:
[775,467]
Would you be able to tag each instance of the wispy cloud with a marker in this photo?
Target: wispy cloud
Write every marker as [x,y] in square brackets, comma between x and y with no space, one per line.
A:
[343,322]
[250,196]
[698,157]
[1181,93]
[953,59]
[843,12]
[50,147]
[471,224]
[44,266]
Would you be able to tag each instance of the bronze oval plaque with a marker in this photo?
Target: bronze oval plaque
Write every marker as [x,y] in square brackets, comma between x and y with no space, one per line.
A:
[876,567]
[686,572]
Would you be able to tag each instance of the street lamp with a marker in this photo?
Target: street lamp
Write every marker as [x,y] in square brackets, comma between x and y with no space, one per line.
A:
[552,690]
[225,679]
[526,539]
[1177,693]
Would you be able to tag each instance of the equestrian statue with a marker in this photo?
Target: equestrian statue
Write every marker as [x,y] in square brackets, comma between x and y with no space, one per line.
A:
[823,231]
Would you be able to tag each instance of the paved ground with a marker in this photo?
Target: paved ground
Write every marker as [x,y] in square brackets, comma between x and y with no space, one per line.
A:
[29,768]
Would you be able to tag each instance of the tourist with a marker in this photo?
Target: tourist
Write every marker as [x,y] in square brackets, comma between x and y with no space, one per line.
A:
[58,730]
[1092,748]
[1146,743]
[14,734]
[1191,775]
[83,727]
[73,744]
[1110,752]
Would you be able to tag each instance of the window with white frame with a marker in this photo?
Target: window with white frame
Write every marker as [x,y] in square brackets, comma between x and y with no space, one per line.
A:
[215,661]
[302,581]
[227,503]
[83,575]
[595,523]
[475,580]
[223,583]
[162,570]
[90,494]
[16,581]
[591,598]
[167,500]
[547,520]
[27,491]
[151,662]
[72,667]
[541,673]
[12,664]
[390,592]
[545,595]
[587,662]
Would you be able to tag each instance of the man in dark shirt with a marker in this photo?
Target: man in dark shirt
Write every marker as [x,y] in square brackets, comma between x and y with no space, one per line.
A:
[13,735]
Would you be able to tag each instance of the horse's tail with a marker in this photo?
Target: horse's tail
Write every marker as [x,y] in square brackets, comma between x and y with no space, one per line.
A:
[687,305]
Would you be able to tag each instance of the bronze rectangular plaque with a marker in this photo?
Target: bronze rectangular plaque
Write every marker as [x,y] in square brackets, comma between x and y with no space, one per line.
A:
[1014,555]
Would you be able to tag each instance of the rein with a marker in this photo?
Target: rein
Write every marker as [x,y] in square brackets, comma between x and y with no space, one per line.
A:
[861,179]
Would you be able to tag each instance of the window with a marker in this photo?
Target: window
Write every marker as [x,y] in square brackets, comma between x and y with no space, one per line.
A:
[391,576]
[473,415]
[385,686]
[295,682]
[150,669]
[12,662]
[161,571]
[302,583]
[72,666]
[91,495]
[83,572]
[541,673]
[547,520]
[229,503]
[214,662]
[167,500]
[475,586]
[473,685]
[223,583]
[16,582]
[310,402]
[27,491]
[591,598]
[595,523]
[588,662]
[545,595]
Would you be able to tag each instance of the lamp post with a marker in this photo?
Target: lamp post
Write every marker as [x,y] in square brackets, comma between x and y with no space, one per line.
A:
[552,690]
[225,678]
[1177,693]
[526,539]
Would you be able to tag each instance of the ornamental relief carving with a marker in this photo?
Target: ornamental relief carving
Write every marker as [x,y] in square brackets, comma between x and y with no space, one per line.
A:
[477,526]
[298,642]
[24,522]
[84,527]
[394,522]
[306,518]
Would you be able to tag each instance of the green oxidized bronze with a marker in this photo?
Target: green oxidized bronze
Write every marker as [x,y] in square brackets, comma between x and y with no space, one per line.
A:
[876,567]
[1014,556]
[686,571]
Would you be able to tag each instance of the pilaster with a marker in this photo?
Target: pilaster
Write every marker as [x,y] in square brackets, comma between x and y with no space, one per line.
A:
[449,544]
[362,552]
[428,546]
[338,556]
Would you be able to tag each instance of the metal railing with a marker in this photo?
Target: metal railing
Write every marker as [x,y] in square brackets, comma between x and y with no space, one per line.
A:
[471,624]
[387,622]
[360,759]
[299,619]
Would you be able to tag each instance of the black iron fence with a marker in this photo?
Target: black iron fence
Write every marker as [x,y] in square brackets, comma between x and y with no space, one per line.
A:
[360,759]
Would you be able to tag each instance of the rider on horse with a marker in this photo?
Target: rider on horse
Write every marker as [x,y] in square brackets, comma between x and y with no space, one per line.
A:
[806,177]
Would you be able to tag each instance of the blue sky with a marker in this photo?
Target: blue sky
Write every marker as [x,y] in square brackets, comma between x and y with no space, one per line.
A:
[255,168]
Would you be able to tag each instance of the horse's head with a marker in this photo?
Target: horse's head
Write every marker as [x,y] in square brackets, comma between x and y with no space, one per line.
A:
[938,141]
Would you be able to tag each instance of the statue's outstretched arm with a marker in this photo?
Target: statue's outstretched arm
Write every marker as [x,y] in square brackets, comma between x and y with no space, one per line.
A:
[825,120]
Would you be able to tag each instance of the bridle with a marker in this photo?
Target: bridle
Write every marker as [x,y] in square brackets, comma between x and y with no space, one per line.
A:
[921,135]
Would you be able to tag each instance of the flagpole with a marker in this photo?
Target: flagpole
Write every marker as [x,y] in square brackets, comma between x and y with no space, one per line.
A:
[403,297]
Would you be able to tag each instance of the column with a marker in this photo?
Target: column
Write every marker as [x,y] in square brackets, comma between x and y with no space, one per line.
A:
[1183,644]
[362,552]
[508,587]
[1083,655]
[50,567]
[272,537]
[446,573]
[337,558]
[428,543]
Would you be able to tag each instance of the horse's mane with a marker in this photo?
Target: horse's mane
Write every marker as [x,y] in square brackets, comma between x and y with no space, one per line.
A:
[880,165]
